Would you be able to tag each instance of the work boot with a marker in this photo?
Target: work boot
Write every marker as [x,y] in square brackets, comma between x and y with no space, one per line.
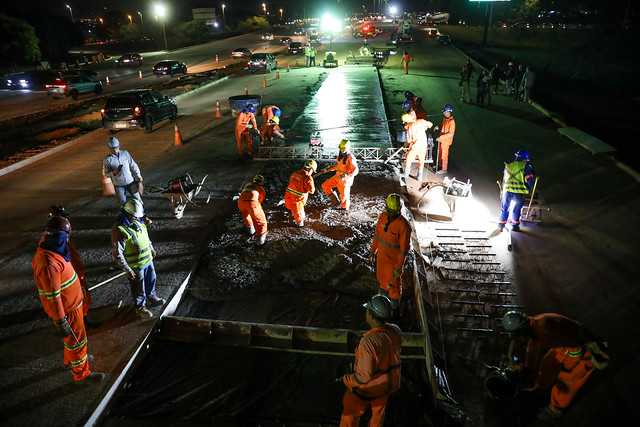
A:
[441,172]
[143,312]
[94,377]
[89,359]
[547,414]
[262,239]
[515,227]
[300,224]
[419,178]
[251,230]
[155,301]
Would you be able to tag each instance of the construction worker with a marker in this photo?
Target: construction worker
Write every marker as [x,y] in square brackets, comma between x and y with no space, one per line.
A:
[517,181]
[269,112]
[421,113]
[465,78]
[134,253]
[250,205]
[312,56]
[124,173]
[416,142]
[300,186]
[307,54]
[574,354]
[245,120]
[346,169]
[390,247]
[377,368]
[271,127]
[445,140]
[406,58]
[61,296]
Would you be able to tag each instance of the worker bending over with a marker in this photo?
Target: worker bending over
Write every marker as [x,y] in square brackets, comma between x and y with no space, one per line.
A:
[269,128]
[517,181]
[250,205]
[416,142]
[346,169]
[300,186]
[245,120]
[269,112]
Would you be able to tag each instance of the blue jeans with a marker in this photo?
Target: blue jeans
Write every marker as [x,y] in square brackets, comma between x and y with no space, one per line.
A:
[132,188]
[507,199]
[144,285]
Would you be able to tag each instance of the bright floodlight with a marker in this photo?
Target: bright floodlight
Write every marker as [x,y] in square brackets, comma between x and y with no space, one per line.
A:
[330,24]
[160,11]
[393,10]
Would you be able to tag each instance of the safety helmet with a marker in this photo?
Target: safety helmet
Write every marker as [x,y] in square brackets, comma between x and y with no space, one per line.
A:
[406,53]
[510,64]
[250,108]
[379,306]
[311,164]
[57,210]
[408,118]
[277,112]
[406,106]
[447,107]
[275,120]
[344,145]
[113,142]
[258,179]
[59,223]
[514,320]
[134,207]
[408,94]
[522,155]
[394,203]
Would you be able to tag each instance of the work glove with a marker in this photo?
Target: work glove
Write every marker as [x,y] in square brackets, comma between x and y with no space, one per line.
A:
[131,275]
[372,257]
[327,169]
[62,328]
[396,272]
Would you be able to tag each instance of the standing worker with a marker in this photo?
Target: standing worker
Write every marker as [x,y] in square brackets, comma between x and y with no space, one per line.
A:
[250,205]
[377,368]
[61,296]
[517,83]
[346,169]
[574,354]
[445,140]
[124,173]
[416,142]
[312,55]
[391,245]
[528,80]
[517,181]
[300,186]
[508,79]
[465,79]
[406,58]
[307,53]
[245,120]
[134,253]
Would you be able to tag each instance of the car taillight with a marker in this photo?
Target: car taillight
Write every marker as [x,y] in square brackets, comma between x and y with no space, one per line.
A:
[102,110]
[249,63]
[137,111]
[264,63]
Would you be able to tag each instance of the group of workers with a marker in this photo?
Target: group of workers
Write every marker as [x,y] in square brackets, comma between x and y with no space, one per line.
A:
[247,128]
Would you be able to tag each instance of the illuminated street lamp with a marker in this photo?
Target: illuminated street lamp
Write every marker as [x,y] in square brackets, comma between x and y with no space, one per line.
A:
[160,11]
[281,14]
[101,21]
[70,11]
[130,19]
[141,21]
[223,21]
[264,9]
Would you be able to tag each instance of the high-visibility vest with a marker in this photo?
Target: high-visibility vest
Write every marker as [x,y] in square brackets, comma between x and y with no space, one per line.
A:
[513,180]
[137,250]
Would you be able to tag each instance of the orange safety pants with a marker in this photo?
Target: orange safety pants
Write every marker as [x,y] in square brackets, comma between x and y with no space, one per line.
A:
[567,385]
[75,352]
[406,68]
[393,285]
[253,215]
[354,407]
[296,205]
[343,186]
[419,151]
[266,133]
[443,155]
[243,135]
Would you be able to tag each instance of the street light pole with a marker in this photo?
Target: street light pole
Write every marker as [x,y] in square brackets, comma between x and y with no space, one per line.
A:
[161,12]
[141,21]
[71,12]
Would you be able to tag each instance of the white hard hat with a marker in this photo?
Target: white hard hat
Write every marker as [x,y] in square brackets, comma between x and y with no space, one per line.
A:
[134,207]
[379,306]
[514,320]
[113,142]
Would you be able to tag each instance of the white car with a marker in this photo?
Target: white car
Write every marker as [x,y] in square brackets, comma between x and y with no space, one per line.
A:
[267,36]
[241,52]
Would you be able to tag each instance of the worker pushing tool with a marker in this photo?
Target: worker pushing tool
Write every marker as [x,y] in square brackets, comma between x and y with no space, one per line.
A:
[301,184]
[245,120]
[250,205]
[574,353]
[416,142]
[346,169]
[518,181]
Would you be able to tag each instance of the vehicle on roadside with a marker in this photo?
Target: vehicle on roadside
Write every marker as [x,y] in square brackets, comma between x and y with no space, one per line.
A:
[263,61]
[432,31]
[90,74]
[33,80]
[129,59]
[285,40]
[72,86]
[137,109]
[169,67]
[314,38]
[241,52]
[299,32]
[295,47]
[267,36]
[444,39]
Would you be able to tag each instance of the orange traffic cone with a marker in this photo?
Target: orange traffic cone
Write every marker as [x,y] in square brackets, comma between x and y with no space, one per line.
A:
[107,80]
[264,81]
[107,186]
[277,75]
[218,112]
[246,91]
[178,137]
[140,74]
[217,58]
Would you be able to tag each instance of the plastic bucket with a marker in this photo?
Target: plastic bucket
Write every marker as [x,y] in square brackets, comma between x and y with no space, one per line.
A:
[401,136]
[239,102]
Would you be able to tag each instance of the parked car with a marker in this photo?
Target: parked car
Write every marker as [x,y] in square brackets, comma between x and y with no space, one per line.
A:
[295,47]
[137,109]
[73,86]
[267,36]
[129,59]
[285,40]
[241,52]
[34,80]
[315,38]
[90,74]
[170,67]
[263,61]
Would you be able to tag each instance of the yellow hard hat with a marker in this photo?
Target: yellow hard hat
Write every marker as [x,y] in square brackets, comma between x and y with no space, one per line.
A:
[407,118]
[394,203]
[344,145]
[311,164]
[258,179]
[276,120]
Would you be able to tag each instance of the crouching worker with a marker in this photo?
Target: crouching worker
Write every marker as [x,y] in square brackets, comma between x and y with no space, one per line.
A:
[270,128]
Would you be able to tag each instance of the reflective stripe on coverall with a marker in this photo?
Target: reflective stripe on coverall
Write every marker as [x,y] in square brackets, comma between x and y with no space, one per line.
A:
[295,197]
[61,295]
[417,139]
[392,243]
[242,120]
[250,207]
[516,182]
[347,168]
[376,376]
[447,130]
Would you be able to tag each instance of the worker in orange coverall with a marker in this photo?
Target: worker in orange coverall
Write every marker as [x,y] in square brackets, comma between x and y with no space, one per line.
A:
[574,352]
[250,205]
[269,112]
[406,58]
[447,130]
[300,186]
[347,169]
[61,296]
[270,128]
[245,120]
[377,369]
[416,142]
[390,247]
